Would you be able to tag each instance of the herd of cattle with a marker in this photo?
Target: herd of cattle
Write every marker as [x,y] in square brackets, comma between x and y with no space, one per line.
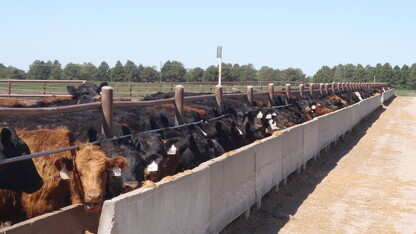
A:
[153,149]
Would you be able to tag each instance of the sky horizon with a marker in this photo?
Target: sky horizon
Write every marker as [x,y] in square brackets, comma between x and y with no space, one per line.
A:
[278,34]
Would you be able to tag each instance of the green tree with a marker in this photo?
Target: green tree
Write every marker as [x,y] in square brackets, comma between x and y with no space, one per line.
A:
[103,72]
[359,74]
[3,71]
[404,76]
[131,72]
[395,77]
[71,71]
[56,70]
[88,71]
[39,70]
[11,72]
[229,72]
[411,81]
[194,74]
[386,73]
[117,73]
[173,72]
[267,74]
[324,75]
[15,73]
[148,74]
[211,74]
[293,74]
[247,73]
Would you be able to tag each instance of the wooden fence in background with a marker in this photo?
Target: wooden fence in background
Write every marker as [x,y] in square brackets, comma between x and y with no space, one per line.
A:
[127,91]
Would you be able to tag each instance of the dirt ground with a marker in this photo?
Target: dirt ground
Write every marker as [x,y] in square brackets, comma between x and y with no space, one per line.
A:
[366,184]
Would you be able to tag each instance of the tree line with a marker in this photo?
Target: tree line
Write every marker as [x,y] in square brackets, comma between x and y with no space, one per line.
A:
[398,77]
[174,71]
[171,71]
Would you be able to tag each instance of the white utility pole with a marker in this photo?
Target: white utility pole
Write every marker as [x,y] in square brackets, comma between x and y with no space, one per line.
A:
[219,56]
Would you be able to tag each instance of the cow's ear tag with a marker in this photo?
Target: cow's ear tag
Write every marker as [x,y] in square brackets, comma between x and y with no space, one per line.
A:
[205,134]
[239,131]
[172,150]
[259,115]
[115,171]
[152,167]
[64,173]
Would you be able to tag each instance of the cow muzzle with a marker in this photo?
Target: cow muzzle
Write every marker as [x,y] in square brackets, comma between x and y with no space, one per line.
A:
[129,186]
[93,201]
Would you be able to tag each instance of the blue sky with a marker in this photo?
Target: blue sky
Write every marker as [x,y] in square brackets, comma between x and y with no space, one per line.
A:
[279,34]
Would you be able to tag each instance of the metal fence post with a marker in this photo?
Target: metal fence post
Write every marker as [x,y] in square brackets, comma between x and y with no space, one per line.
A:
[301,91]
[107,109]
[288,91]
[250,94]
[311,89]
[271,93]
[326,89]
[321,89]
[9,86]
[179,104]
[218,95]
[333,88]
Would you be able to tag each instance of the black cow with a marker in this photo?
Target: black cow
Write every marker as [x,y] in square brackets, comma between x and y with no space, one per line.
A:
[87,92]
[21,175]
[120,181]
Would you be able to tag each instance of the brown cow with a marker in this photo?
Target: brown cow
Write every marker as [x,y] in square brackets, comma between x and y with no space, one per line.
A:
[70,177]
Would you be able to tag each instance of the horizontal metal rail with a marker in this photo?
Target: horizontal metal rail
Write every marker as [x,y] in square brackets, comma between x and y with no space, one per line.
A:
[16,111]
[34,95]
[44,81]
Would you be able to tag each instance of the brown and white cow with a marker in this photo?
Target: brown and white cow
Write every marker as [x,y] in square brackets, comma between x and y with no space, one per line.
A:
[70,177]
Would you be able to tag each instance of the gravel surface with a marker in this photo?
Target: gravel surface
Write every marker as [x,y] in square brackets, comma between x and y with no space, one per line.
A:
[366,184]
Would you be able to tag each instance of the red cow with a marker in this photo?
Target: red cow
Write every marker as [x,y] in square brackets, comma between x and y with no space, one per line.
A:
[71,177]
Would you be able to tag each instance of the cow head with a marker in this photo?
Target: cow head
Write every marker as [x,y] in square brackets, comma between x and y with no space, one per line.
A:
[17,176]
[87,92]
[88,174]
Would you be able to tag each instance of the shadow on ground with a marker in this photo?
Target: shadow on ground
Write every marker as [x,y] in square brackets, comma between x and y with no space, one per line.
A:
[279,207]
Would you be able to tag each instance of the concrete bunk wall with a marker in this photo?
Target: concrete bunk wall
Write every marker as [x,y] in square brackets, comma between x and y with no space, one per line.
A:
[229,185]
[217,191]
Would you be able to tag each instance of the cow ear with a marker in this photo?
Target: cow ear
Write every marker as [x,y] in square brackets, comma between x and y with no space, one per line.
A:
[6,136]
[119,162]
[103,84]
[64,162]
